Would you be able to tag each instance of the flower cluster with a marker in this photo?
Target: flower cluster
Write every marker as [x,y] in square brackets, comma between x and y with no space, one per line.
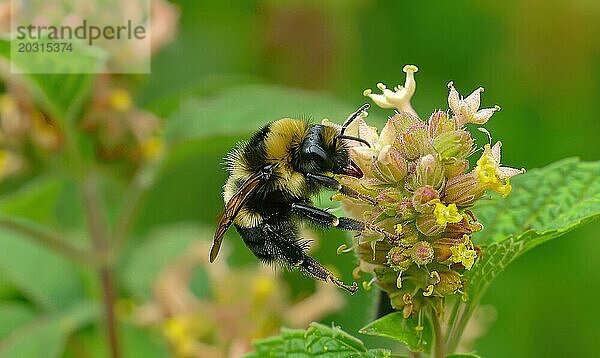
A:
[119,131]
[419,175]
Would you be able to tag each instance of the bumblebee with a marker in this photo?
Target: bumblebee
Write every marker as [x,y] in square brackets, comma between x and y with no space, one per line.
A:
[272,179]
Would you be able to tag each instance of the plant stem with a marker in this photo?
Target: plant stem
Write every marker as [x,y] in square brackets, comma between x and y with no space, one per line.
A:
[138,187]
[452,316]
[108,292]
[97,224]
[454,332]
[97,227]
[461,322]
[45,238]
[414,354]
[438,350]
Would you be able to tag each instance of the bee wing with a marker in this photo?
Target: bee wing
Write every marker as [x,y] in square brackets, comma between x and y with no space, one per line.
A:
[232,208]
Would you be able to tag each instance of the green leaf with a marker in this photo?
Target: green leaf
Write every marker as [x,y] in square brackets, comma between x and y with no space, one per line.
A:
[149,258]
[463,355]
[46,200]
[12,315]
[244,109]
[4,48]
[36,200]
[141,342]
[40,274]
[46,336]
[544,204]
[317,340]
[395,326]
[163,101]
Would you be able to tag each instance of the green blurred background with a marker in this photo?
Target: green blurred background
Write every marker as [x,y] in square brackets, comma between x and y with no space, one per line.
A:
[539,60]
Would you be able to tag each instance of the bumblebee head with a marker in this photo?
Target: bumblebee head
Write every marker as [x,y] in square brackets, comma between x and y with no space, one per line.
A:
[325,150]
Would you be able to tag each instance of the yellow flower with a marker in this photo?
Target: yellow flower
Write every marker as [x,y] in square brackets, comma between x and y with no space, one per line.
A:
[398,229]
[181,334]
[120,100]
[464,253]
[491,174]
[263,287]
[446,214]
[152,148]
[9,163]
[3,160]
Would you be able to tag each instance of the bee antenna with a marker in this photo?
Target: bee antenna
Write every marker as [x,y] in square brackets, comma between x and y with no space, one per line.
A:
[341,136]
[349,121]
[353,116]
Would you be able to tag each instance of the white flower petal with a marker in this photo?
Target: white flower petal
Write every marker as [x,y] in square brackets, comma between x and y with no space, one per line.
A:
[473,101]
[496,152]
[363,157]
[410,85]
[366,132]
[508,172]
[400,97]
[388,133]
[380,100]
[483,115]
[453,99]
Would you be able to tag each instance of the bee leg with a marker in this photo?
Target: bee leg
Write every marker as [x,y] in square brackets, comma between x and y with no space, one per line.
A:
[292,253]
[326,219]
[333,184]
[314,269]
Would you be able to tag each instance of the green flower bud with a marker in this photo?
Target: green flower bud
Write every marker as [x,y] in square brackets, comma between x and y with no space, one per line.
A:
[439,123]
[428,225]
[456,231]
[405,210]
[377,255]
[422,198]
[389,196]
[390,166]
[441,249]
[410,234]
[441,252]
[396,299]
[422,253]
[449,281]
[402,121]
[389,224]
[453,144]
[411,305]
[454,167]
[386,278]
[414,142]
[399,259]
[429,171]
[463,190]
